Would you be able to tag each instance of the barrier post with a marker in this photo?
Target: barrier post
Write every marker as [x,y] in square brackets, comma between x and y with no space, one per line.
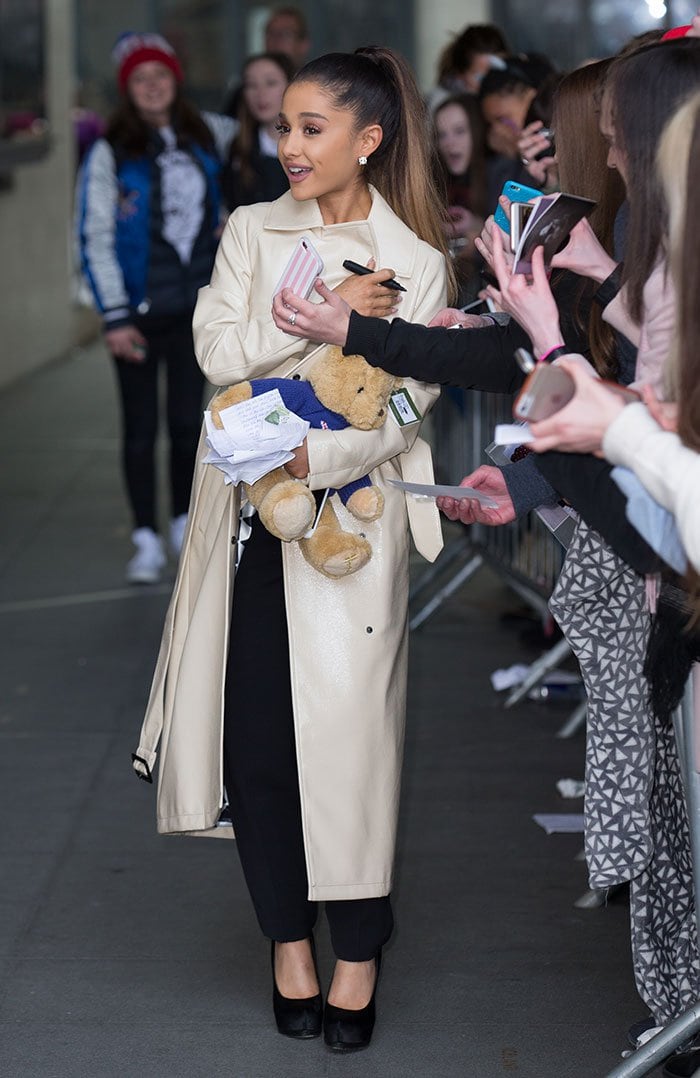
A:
[650,1055]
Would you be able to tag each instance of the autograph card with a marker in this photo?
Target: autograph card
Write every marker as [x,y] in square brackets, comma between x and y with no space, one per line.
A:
[428,490]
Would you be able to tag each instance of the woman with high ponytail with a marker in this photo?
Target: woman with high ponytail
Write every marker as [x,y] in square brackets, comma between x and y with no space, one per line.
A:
[281,692]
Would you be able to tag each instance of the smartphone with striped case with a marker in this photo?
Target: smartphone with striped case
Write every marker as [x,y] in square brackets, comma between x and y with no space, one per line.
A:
[302,269]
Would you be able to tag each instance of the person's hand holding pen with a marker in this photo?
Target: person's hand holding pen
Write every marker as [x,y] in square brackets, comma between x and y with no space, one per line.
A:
[368,291]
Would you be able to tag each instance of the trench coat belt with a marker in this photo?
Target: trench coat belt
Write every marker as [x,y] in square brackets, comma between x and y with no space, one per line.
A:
[423,514]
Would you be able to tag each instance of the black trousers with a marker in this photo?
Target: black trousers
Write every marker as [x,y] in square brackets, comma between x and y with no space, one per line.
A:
[261,772]
[169,341]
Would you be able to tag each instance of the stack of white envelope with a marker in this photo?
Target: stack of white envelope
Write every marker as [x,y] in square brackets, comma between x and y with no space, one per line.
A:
[257,437]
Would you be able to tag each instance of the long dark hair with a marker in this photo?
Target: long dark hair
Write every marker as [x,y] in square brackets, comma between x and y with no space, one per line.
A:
[519,74]
[479,38]
[643,90]
[582,159]
[476,172]
[377,86]
[243,145]
[129,132]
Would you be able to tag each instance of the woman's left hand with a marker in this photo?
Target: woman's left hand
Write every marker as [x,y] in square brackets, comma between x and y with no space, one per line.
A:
[580,426]
[299,467]
[528,299]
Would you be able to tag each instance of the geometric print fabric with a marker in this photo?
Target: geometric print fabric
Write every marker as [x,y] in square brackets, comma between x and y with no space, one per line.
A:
[636,825]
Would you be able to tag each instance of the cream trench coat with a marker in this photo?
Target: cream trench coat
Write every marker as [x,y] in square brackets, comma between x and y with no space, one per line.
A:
[347,637]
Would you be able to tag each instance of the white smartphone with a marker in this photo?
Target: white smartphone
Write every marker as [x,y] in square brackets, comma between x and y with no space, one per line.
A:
[519,214]
[301,271]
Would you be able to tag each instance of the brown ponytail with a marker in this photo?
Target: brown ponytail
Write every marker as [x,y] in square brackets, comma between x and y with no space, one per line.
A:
[377,85]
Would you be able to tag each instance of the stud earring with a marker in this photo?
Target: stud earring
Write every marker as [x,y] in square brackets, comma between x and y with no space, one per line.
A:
[362,160]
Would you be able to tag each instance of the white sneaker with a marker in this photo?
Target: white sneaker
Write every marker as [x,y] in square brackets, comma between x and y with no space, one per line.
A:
[149,559]
[177,534]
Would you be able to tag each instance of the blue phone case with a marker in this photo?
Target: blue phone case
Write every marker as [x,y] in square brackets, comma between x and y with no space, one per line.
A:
[516,192]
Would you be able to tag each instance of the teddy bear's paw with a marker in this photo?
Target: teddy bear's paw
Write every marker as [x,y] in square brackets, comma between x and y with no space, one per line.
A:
[288,510]
[366,504]
[229,397]
[336,553]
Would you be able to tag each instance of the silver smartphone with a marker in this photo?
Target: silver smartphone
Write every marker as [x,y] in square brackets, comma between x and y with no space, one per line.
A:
[519,214]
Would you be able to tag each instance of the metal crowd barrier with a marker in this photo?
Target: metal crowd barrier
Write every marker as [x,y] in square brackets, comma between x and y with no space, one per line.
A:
[645,1059]
[525,554]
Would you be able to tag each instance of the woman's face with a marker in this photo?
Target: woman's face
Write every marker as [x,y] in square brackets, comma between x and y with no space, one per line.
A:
[505,115]
[151,86]
[264,84]
[454,138]
[616,158]
[318,144]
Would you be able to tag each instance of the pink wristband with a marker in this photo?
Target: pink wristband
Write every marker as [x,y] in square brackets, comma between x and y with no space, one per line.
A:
[560,350]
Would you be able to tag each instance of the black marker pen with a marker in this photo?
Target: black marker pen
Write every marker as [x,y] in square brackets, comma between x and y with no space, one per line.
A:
[355,267]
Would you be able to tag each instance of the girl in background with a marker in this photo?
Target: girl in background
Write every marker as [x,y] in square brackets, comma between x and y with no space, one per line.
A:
[253,172]
[148,218]
[459,132]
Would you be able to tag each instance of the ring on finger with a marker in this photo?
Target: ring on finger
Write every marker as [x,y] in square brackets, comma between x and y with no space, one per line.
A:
[524,160]
[292,318]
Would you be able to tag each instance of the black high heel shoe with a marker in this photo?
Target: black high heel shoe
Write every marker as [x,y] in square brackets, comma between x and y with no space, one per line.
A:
[349,1031]
[299,1018]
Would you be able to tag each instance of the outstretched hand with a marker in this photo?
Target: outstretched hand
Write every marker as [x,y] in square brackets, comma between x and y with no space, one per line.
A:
[453,316]
[528,299]
[490,481]
[580,425]
[584,254]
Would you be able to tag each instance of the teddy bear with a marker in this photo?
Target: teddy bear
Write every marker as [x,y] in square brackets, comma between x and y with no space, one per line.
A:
[341,391]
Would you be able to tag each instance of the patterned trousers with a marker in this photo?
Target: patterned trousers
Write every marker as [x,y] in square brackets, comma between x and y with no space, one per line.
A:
[636,826]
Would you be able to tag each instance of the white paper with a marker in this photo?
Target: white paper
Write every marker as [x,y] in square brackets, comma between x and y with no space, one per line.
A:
[564,823]
[513,434]
[257,437]
[427,490]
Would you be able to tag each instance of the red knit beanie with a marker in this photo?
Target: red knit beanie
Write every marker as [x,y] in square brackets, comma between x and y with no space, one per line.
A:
[133,49]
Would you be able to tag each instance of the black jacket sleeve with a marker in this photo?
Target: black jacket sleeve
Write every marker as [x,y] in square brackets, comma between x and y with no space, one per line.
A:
[587,485]
[466,358]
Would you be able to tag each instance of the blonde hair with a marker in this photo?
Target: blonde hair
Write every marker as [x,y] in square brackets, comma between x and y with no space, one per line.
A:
[673,161]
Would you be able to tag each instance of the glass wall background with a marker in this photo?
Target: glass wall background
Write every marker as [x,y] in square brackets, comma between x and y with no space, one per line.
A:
[212,37]
[583,29]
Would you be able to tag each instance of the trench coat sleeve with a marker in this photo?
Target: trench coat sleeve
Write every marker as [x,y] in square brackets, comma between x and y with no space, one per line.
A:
[230,345]
[468,359]
[340,457]
[668,469]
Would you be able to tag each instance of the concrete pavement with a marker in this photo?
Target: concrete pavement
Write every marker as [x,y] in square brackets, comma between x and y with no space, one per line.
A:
[126,954]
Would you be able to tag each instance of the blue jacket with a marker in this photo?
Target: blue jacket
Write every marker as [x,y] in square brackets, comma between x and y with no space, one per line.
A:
[130,266]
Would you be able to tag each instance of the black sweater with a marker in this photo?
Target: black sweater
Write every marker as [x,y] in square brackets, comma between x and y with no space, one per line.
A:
[483,359]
